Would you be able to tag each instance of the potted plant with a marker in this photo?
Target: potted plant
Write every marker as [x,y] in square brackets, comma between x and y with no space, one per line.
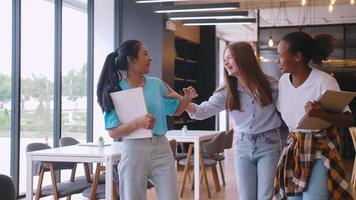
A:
[101,141]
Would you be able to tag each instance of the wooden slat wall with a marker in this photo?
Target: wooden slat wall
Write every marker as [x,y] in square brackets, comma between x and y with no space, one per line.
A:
[191,33]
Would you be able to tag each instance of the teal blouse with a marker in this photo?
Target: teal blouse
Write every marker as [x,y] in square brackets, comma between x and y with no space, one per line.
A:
[157,105]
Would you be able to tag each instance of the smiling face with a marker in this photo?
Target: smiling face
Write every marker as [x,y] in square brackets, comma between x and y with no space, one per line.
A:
[230,64]
[286,60]
[141,64]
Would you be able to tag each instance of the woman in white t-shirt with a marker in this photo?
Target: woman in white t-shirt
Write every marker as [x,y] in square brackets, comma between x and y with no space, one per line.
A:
[310,166]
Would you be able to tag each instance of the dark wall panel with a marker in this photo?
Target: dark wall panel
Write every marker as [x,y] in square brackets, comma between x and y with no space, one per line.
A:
[141,23]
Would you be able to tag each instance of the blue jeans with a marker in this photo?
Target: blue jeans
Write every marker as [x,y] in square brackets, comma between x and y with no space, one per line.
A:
[256,161]
[317,184]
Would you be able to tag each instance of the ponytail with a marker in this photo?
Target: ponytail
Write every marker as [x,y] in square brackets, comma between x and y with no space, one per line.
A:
[110,75]
[317,49]
[324,46]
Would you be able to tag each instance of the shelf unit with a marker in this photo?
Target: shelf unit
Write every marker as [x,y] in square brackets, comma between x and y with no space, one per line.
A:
[190,62]
[186,73]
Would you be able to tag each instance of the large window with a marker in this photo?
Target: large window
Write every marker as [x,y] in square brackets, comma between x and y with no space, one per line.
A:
[36,51]
[5,84]
[74,70]
[37,72]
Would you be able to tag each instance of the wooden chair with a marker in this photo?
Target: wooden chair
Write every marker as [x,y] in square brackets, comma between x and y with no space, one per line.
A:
[69,141]
[97,191]
[219,156]
[58,190]
[353,176]
[212,146]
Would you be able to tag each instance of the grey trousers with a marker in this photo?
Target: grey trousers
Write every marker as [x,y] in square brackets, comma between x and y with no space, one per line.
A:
[147,158]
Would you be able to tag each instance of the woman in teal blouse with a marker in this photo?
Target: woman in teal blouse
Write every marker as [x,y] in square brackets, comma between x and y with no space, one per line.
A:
[149,157]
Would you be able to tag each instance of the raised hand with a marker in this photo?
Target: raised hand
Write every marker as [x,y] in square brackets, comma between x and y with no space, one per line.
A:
[146,121]
[190,92]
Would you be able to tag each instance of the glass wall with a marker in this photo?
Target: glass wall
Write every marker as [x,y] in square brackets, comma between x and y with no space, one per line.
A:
[74,69]
[37,72]
[5,84]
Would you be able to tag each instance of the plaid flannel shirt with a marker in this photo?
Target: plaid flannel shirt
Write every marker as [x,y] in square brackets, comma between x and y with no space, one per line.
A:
[296,163]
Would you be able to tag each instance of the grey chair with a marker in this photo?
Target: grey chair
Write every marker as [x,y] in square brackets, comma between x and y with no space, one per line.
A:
[97,189]
[211,147]
[219,156]
[69,141]
[58,190]
[7,189]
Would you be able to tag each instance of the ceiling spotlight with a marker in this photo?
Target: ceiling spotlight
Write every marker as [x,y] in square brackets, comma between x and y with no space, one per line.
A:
[157,1]
[210,15]
[352,2]
[304,2]
[212,22]
[331,8]
[196,7]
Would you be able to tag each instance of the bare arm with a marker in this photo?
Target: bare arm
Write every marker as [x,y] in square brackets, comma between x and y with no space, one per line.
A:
[313,109]
[146,121]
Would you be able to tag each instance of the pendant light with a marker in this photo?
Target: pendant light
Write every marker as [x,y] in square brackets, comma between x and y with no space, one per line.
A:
[270,42]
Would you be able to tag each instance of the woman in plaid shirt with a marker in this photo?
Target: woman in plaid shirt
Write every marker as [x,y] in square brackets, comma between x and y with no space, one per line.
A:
[310,167]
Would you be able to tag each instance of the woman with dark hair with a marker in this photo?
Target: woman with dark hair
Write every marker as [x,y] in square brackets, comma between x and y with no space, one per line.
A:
[310,167]
[249,96]
[149,157]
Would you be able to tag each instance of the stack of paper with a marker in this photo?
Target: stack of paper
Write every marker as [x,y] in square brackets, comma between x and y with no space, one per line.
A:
[130,104]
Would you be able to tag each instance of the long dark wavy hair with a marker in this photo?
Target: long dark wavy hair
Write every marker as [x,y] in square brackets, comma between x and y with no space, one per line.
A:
[251,73]
[316,49]
[110,75]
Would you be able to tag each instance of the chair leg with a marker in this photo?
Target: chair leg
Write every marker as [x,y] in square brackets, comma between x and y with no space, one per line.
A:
[114,193]
[201,178]
[87,173]
[95,182]
[206,182]
[186,170]
[214,172]
[39,184]
[54,182]
[353,176]
[222,172]
[72,177]
[189,178]
[203,170]
[72,174]
[192,183]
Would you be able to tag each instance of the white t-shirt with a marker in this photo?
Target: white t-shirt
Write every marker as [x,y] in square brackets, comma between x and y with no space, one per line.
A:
[291,100]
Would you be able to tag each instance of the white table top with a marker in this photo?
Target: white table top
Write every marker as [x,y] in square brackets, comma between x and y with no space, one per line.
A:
[81,151]
[191,135]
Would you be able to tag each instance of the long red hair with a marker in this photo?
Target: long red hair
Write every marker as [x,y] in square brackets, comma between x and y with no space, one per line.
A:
[250,73]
